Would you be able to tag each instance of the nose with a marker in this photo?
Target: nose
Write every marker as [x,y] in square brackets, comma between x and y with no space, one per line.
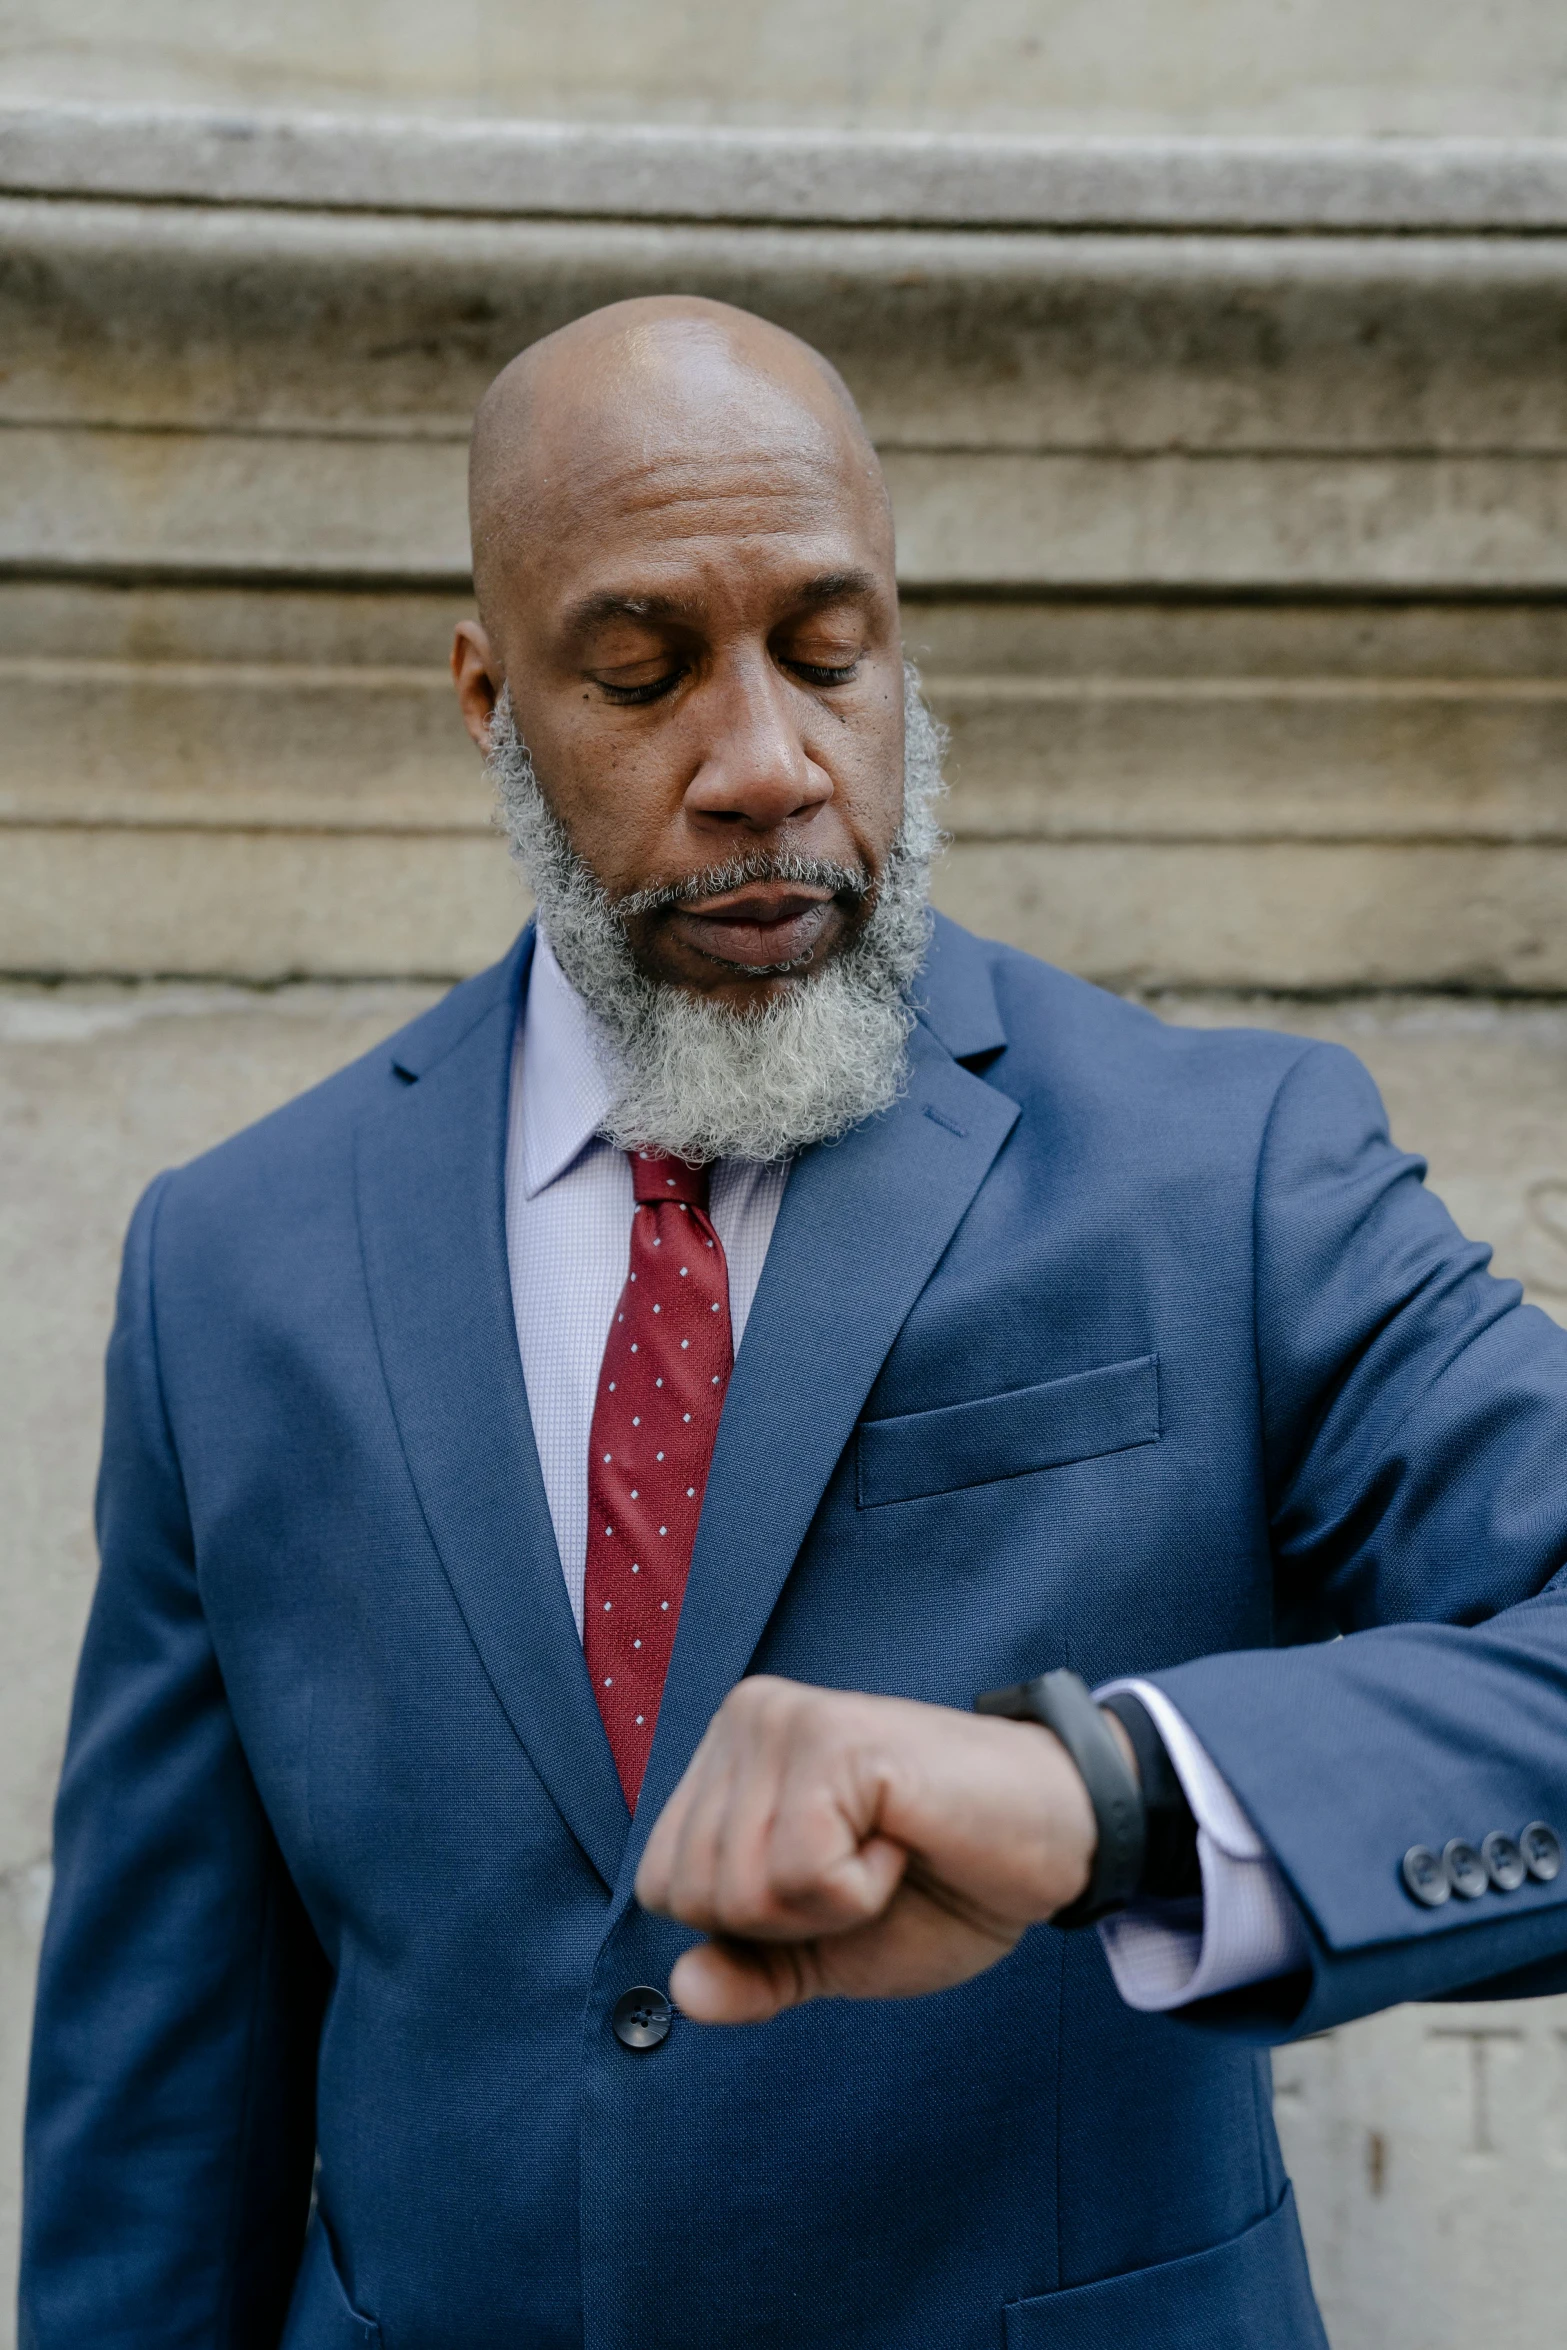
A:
[754,768]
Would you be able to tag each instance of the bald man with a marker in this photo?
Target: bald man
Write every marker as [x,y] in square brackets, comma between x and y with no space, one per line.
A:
[568,1480]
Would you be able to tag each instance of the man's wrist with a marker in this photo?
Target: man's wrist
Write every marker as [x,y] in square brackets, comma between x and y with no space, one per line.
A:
[1061,1703]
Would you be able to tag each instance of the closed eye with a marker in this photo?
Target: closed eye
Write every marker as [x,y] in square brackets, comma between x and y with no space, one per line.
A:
[818,673]
[630,696]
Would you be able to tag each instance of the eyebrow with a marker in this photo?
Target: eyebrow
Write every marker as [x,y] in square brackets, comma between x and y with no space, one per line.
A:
[827,587]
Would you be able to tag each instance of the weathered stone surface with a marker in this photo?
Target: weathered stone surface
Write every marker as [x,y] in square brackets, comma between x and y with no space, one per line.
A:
[250,319]
[669,172]
[1216,542]
[1076,65]
[131,503]
[262,905]
[1428,2147]
[1290,914]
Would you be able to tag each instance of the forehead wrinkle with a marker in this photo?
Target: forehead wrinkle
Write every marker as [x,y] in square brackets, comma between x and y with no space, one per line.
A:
[656,480]
[653,604]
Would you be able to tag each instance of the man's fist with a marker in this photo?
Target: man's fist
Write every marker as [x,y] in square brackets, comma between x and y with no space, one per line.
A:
[859,1847]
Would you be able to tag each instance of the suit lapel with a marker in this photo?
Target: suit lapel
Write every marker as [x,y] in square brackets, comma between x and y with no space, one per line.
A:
[431,1172]
[862,1227]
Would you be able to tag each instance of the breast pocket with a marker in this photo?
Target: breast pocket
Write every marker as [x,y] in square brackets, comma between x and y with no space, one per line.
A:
[1011,1435]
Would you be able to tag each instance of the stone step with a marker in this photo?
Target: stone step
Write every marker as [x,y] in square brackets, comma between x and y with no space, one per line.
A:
[1230,479]
[320,747]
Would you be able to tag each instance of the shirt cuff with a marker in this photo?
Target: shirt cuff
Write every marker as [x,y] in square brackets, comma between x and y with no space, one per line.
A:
[1244,1928]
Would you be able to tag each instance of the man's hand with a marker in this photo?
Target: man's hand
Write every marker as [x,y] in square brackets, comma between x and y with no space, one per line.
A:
[859,1847]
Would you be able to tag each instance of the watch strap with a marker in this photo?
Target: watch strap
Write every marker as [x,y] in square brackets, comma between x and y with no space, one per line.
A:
[1172,1870]
[1061,1702]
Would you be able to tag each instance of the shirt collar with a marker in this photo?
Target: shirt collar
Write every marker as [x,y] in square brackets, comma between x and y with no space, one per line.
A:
[565,1073]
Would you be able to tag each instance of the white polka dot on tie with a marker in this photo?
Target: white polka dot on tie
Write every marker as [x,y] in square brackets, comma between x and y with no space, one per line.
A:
[636,1566]
[685,1342]
[609,1456]
[713,1309]
[639,1717]
[690,1493]
[609,1529]
[608,1604]
[609,1683]
[664,1604]
[685,1415]
[633,1276]
[663,1529]
[658,1309]
[636,1422]
[620,1317]
[612,1387]
[633,1342]
[634,1494]
[715,1378]
[684,1270]
[657,1243]
[660,1456]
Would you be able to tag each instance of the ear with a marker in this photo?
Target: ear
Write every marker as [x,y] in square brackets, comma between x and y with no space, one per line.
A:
[478,677]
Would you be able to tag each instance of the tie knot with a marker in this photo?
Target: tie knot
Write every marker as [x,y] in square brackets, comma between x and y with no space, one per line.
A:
[656,1178]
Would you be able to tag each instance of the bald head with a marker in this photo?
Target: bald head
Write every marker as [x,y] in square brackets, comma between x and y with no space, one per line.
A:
[641,398]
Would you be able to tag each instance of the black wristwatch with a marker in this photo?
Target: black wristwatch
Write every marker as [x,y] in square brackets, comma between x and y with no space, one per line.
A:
[1147,1835]
[1061,1702]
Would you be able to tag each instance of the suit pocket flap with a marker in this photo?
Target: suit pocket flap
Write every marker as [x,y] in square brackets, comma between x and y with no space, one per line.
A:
[1074,1419]
[1255,2289]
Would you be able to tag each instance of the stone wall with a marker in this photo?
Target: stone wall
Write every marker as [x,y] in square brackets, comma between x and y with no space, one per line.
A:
[1230,482]
[1241,66]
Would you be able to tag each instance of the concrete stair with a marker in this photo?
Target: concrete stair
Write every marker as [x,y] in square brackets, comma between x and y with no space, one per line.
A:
[1231,483]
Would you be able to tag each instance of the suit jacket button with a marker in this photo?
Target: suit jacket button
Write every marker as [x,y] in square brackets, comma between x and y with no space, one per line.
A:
[1504,1863]
[1425,1877]
[642,2017]
[1465,1869]
[1542,1851]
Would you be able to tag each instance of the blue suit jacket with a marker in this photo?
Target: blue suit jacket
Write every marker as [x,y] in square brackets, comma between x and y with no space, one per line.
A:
[1112,1345]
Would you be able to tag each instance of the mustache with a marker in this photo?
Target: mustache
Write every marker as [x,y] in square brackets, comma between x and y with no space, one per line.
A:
[849,884]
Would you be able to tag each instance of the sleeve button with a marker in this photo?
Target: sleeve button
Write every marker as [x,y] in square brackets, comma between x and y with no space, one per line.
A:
[1425,1877]
[1542,1851]
[1504,1863]
[1466,1870]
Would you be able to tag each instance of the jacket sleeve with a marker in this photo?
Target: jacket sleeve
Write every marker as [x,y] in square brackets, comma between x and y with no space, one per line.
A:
[1415,1418]
[170,2124]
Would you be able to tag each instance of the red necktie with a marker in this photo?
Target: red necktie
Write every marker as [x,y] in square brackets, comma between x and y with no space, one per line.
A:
[661,1388]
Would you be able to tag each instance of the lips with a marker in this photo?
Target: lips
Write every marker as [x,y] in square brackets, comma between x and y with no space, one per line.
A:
[756,929]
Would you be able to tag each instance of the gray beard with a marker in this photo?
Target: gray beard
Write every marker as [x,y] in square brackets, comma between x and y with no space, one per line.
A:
[696,1079]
